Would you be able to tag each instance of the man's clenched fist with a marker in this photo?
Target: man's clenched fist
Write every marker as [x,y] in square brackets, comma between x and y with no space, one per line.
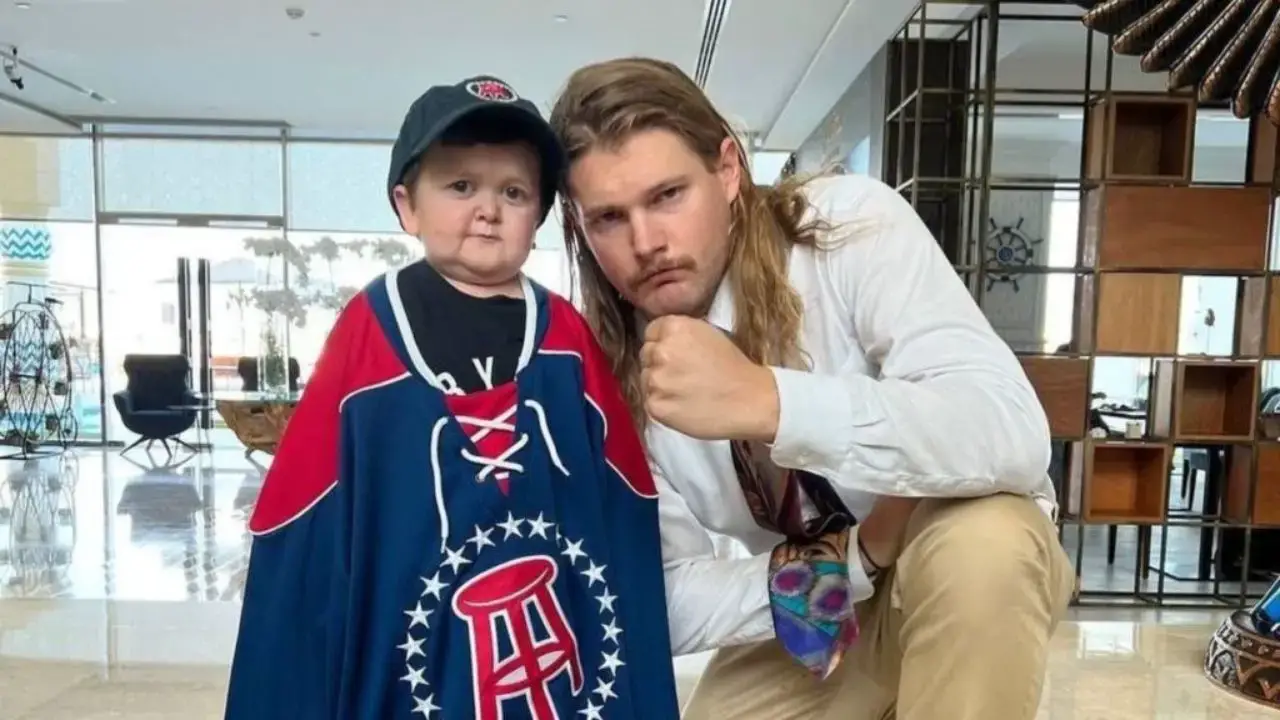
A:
[696,381]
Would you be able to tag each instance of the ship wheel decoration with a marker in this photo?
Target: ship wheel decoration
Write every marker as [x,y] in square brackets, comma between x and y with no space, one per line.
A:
[1008,246]
[1227,50]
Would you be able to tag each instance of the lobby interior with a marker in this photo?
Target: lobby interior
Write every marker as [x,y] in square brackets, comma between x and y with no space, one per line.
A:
[206,201]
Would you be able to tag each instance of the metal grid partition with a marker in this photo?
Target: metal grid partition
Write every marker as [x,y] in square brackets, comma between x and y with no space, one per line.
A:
[1170,495]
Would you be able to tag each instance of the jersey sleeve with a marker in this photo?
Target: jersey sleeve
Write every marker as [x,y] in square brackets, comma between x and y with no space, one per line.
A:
[631,499]
[287,661]
[288,654]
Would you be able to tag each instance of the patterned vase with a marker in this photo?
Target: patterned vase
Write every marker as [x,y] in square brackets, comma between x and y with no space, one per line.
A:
[273,374]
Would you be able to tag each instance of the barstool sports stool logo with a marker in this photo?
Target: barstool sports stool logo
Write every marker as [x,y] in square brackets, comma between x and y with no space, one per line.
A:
[503,603]
[492,90]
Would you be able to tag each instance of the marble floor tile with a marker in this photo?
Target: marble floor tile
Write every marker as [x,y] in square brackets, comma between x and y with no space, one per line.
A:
[89,659]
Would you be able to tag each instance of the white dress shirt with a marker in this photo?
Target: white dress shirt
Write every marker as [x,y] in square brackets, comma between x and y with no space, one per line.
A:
[910,393]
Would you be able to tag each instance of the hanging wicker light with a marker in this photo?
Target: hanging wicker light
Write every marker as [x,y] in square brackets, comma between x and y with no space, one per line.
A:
[1225,49]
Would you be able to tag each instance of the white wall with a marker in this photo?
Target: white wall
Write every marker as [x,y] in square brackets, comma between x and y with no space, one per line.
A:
[856,119]
[1017,311]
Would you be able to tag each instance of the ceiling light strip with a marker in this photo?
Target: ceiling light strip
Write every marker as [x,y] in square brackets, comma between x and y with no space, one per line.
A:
[713,21]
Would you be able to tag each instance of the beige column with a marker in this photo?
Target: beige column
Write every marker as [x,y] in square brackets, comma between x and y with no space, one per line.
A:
[29,186]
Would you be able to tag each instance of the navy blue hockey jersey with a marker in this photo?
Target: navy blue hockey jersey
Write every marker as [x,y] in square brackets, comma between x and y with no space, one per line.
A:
[419,554]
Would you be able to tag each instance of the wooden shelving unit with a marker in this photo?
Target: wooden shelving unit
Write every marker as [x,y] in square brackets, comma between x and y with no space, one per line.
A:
[1149,233]
[1144,228]
[1118,482]
[1062,385]
[1263,507]
[1204,401]
[1140,227]
[1141,138]
[1130,313]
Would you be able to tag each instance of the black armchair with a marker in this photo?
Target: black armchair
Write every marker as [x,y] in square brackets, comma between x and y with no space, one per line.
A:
[158,403]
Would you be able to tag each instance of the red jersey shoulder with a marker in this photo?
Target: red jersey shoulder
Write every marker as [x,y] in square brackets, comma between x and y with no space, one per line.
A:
[357,356]
[566,328]
[372,360]
[568,333]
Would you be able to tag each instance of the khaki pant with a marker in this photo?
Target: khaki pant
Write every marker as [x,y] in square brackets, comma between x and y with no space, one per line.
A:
[959,630]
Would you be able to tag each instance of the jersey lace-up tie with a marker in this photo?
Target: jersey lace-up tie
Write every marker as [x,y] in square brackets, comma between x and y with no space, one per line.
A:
[500,466]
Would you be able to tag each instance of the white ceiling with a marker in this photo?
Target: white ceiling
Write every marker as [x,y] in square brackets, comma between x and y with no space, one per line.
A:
[350,68]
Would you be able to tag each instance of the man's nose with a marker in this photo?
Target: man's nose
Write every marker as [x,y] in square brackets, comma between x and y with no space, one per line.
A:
[647,240]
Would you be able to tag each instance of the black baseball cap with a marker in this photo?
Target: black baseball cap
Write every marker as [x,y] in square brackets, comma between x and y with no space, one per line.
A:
[442,107]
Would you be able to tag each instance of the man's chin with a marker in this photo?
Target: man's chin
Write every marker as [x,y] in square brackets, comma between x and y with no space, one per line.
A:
[673,300]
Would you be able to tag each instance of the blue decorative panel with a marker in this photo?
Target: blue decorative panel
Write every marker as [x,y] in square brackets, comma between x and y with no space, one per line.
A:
[28,243]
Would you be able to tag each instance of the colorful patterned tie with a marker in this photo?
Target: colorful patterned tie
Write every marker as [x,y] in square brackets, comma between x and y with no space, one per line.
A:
[809,590]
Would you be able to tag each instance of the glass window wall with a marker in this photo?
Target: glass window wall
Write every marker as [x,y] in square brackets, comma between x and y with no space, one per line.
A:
[333,267]
[47,259]
[184,176]
[104,245]
[340,187]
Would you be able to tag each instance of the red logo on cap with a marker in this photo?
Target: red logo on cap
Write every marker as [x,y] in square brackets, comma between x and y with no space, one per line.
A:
[492,90]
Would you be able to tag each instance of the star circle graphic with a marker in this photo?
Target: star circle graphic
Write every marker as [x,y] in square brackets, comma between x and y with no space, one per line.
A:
[437,585]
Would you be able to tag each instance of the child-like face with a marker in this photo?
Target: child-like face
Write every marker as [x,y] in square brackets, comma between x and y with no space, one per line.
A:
[476,209]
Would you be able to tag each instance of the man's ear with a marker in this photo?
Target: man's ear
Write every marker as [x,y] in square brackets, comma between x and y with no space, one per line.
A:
[404,209]
[730,169]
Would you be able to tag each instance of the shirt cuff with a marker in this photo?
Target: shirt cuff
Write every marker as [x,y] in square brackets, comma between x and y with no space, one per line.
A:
[814,420]
[860,586]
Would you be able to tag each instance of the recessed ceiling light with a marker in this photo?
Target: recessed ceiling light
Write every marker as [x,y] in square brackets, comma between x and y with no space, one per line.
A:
[22,5]
[315,33]
[562,18]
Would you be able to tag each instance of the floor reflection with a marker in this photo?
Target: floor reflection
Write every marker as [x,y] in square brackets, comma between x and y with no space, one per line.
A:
[98,525]
[120,576]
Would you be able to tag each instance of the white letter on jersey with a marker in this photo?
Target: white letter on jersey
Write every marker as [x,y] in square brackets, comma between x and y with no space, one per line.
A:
[485,371]
[448,385]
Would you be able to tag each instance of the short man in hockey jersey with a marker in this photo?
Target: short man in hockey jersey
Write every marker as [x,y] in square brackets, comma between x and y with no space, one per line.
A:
[460,520]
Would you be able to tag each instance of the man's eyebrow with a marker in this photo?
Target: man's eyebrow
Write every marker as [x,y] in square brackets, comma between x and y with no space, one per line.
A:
[672,181]
[651,191]
[592,212]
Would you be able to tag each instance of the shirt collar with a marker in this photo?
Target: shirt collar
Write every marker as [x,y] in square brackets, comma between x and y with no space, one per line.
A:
[720,313]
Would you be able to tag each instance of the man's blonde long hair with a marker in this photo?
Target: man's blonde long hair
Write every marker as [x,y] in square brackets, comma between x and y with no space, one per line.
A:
[603,105]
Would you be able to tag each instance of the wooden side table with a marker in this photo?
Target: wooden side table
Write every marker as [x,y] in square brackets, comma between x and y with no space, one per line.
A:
[257,419]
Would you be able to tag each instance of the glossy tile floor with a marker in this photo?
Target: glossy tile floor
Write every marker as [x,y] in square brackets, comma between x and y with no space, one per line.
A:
[118,599]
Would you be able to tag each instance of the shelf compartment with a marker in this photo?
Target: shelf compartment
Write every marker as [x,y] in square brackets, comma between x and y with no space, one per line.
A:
[1177,228]
[1119,482]
[1062,384]
[1140,137]
[1137,313]
[1204,401]
[1266,500]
